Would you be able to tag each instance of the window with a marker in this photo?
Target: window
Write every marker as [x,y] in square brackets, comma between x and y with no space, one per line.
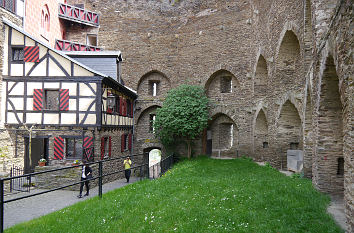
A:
[73,148]
[226,84]
[45,22]
[154,87]
[91,39]
[117,107]
[106,147]
[265,145]
[151,123]
[17,54]
[294,145]
[51,99]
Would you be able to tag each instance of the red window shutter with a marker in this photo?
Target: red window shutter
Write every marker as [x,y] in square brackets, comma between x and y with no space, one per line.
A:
[31,54]
[88,147]
[64,99]
[37,99]
[131,108]
[122,143]
[58,148]
[130,142]
[110,147]
[102,147]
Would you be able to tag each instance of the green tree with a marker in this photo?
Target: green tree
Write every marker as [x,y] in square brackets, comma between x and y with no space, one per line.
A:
[184,115]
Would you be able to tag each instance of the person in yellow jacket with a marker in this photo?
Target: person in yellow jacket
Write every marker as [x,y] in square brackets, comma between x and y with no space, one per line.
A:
[127,165]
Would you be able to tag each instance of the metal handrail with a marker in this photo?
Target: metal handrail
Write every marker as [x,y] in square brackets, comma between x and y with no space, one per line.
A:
[100,176]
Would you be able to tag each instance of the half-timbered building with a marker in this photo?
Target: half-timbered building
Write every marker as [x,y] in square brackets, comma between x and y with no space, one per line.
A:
[57,108]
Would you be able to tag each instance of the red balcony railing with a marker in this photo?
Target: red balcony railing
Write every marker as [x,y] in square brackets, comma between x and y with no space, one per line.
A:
[64,45]
[79,15]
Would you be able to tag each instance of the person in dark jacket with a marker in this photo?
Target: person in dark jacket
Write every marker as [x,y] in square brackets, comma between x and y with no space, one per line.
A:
[86,174]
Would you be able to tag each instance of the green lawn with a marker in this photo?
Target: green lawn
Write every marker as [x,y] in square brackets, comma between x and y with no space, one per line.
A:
[202,195]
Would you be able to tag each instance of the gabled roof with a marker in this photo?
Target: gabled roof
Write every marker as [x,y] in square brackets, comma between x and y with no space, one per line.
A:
[111,80]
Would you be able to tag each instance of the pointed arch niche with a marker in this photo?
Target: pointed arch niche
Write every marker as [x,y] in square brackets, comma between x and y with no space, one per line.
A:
[289,135]
[224,135]
[308,137]
[288,61]
[261,136]
[220,83]
[261,78]
[144,126]
[153,84]
[330,159]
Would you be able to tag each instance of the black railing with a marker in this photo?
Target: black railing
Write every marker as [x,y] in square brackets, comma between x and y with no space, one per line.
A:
[21,184]
[143,169]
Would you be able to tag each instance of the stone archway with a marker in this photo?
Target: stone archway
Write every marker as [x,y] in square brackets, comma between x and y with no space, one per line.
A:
[144,124]
[221,82]
[289,134]
[329,158]
[261,78]
[224,135]
[288,65]
[261,136]
[153,84]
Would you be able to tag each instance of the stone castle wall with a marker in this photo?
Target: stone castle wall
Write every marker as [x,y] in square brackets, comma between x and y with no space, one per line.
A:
[276,53]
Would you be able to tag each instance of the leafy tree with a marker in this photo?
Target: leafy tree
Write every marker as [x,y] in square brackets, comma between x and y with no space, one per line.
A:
[184,115]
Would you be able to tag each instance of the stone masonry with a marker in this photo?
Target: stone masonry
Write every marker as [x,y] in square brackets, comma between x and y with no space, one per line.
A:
[290,66]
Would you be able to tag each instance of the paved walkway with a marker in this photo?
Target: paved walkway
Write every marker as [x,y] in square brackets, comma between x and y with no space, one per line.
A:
[34,207]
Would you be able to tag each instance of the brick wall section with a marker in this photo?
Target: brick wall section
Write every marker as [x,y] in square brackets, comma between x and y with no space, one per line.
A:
[33,20]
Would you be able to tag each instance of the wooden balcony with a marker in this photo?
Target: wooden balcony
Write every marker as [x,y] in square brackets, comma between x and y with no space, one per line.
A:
[78,15]
[64,45]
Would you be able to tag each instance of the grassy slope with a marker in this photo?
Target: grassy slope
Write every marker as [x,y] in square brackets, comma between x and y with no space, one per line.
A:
[202,195]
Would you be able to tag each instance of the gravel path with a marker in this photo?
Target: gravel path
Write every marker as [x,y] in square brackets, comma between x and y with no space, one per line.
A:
[33,207]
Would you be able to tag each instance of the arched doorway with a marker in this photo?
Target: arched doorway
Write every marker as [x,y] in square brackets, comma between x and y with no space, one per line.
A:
[329,158]
[289,135]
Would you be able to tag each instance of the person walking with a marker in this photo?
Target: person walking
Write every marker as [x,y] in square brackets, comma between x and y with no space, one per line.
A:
[127,165]
[86,174]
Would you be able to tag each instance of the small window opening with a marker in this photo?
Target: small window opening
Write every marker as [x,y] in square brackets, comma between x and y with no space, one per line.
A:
[265,145]
[294,145]
[154,87]
[226,84]
[151,123]
[17,54]
[340,168]
[91,39]
[51,99]
[106,149]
